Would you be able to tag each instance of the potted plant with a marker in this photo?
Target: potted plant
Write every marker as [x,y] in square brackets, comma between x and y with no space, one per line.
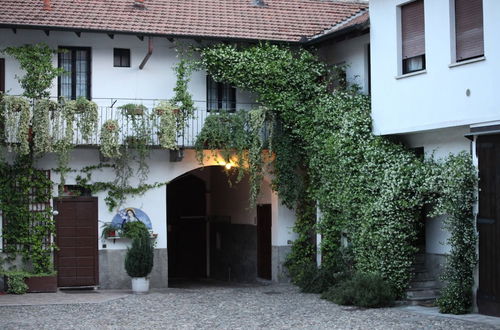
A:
[131,109]
[139,262]
[110,146]
[109,230]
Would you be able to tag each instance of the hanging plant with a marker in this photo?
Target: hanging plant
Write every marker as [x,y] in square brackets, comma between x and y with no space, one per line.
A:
[16,119]
[41,126]
[228,135]
[165,119]
[110,146]
[140,139]
[63,134]
[88,116]
[131,109]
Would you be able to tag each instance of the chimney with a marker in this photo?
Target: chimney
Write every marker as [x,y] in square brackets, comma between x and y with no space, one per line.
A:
[46,5]
[139,4]
[259,3]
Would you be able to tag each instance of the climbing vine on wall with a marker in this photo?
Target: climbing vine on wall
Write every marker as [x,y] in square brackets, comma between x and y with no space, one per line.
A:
[27,233]
[368,188]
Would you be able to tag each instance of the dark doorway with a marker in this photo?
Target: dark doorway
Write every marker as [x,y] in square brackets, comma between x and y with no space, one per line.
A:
[187,228]
[488,294]
[264,223]
[77,260]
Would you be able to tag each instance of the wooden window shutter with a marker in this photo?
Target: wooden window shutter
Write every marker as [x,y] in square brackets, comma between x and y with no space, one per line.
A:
[469,29]
[2,75]
[412,29]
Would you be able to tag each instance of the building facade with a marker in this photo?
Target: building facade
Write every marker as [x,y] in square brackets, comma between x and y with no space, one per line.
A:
[201,224]
[433,88]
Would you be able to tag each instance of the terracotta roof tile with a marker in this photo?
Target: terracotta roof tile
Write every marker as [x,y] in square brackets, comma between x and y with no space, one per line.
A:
[280,20]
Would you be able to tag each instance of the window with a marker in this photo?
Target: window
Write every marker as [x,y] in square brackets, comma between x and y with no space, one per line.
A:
[75,82]
[2,75]
[413,36]
[121,58]
[220,96]
[468,29]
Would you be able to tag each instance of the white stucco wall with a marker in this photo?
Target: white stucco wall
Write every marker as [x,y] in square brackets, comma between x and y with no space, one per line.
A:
[436,98]
[115,86]
[354,54]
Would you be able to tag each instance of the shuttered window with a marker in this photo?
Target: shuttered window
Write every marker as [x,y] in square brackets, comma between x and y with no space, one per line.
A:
[413,36]
[2,75]
[469,29]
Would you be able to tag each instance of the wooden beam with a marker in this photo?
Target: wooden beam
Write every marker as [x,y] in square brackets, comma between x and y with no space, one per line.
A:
[111,36]
[47,32]
[79,34]
[141,38]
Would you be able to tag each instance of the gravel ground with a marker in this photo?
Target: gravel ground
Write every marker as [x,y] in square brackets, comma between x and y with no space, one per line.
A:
[220,307]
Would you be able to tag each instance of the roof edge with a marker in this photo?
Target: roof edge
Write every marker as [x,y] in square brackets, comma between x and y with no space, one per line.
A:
[174,36]
[332,33]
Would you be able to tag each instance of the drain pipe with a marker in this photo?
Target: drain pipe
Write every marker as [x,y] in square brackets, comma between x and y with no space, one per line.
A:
[148,55]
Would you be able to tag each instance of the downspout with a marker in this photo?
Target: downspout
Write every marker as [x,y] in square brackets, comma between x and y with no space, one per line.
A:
[148,55]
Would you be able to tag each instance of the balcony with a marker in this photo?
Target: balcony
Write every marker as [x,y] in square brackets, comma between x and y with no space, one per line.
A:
[109,109]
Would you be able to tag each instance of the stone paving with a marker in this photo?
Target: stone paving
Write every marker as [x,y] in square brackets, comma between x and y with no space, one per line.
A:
[212,307]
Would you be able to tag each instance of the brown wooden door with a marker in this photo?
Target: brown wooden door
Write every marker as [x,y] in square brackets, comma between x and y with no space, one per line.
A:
[488,223]
[264,241]
[2,75]
[77,260]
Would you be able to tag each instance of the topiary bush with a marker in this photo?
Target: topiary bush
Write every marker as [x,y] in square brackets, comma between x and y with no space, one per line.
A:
[139,258]
[134,229]
[363,290]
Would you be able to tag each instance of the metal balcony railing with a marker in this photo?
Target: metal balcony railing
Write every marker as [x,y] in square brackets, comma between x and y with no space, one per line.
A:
[109,109]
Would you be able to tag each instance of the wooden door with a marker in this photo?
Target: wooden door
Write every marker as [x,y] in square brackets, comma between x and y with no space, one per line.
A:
[2,75]
[77,260]
[264,221]
[488,223]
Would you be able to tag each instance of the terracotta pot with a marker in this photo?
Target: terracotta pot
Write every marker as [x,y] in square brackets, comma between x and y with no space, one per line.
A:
[41,283]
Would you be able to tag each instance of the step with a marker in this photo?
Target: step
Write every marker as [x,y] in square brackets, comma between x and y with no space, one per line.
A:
[424,284]
[422,293]
[422,301]
[423,276]
[420,258]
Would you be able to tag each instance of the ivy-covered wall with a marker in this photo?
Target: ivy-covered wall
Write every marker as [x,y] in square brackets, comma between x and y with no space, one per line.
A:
[369,189]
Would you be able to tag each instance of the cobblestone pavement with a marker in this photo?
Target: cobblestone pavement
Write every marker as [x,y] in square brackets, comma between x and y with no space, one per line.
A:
[220,307]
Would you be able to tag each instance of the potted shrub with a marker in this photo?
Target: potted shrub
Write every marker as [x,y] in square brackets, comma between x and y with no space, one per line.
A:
[139,262]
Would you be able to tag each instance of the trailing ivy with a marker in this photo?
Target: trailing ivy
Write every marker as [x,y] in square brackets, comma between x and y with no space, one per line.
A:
[42,141]
[88,116]
[117,192]
[164,117]
[17,116]
[27,233]
[110,145]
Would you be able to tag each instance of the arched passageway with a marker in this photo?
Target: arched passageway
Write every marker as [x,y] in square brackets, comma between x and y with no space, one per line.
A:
[212,231]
